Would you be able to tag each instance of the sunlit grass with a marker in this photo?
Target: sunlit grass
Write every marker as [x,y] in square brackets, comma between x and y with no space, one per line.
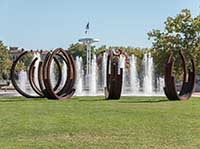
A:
[92,122]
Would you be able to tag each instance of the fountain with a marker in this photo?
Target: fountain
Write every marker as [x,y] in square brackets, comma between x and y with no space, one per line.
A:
[134,81]
[23,77]
[79,76]
[160,85]
[90,75]
[23,80]
[104,68]
[92,80]
[52,73]
[148,74]
[95,81]
[93,77]
[124,76]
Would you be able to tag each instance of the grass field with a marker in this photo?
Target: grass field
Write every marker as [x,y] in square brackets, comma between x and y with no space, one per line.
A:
[92,122]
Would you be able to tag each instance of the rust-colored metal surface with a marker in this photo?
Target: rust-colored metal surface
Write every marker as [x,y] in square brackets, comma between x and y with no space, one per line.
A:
[45,87]
[114,76]
[188,80]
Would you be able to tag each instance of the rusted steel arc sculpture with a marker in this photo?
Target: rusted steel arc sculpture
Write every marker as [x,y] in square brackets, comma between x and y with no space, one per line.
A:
[67,91]
[45,88]
[12,74]
[114,78]
[32,77]
[188,82]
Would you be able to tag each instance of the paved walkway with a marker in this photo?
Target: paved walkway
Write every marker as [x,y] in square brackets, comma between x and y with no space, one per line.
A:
[196,94]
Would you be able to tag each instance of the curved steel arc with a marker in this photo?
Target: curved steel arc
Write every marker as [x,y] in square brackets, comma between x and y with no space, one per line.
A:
[12,74]
[45,88]
[170,83]
[114,78]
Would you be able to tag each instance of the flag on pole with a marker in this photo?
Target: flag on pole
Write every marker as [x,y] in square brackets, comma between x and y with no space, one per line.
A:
[87,27]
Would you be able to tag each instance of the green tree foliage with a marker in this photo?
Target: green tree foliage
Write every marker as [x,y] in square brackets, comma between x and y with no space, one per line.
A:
[181,32]
[5,62]
[27,59]
[78,49]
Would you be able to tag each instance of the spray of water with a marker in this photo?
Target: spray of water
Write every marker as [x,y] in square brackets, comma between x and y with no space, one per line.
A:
[93,77]
[148,74]
[79,80]
[134,81]
[52,74]
[104,61]
[131,81]
[122,65]
[23,80]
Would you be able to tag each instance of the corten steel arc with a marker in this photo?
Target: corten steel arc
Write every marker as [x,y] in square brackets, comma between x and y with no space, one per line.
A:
[67,90]
[114,76]
[188,80]
[12,75]
[45,88]
[32,77]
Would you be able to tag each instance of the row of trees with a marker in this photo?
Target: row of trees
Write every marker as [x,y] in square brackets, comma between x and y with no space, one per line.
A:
[181,32]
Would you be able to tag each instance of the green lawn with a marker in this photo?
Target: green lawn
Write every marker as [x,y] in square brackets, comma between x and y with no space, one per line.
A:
[92,122]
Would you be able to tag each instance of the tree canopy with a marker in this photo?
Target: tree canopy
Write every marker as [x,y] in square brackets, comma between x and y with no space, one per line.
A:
[5,62]
[181,32]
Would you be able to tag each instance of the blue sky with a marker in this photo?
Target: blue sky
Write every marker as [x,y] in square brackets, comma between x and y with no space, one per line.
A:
[48,24]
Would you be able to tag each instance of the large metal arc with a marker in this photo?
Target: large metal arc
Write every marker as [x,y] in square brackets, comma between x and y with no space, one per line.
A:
[67,91]
[12,74]
[114,79]
[32,77]
[45,88]
[170,83]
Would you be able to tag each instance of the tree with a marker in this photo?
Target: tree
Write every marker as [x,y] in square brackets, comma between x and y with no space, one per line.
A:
[181,32]
[26,61]
[78,49]
[5,62]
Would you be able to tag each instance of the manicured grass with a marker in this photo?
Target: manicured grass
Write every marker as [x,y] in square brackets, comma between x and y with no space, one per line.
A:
[92,122]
